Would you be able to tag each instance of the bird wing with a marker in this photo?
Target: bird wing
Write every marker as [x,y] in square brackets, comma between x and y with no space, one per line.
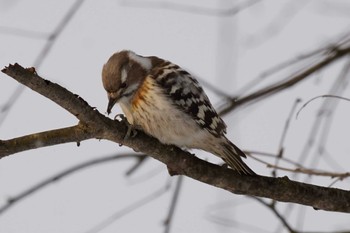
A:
[188,96]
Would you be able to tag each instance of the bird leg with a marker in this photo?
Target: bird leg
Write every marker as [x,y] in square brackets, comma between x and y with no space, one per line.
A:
[131,131]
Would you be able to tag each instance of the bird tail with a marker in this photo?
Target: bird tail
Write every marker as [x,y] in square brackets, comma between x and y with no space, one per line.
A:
[231,154]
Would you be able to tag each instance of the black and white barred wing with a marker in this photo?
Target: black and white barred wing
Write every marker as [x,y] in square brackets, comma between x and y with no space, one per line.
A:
[188,96]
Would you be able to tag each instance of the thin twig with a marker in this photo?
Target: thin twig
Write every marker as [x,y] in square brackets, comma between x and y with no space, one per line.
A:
[230,220]
[169,219]
[50,41]
[303,170]
[277,214]
[340,42]
[300,76]
[318,97]
[283,220]
[190,8]
[284,134]
[24,33]
[320,124]
[127,210]
[57,32]
[271,155]
[139,162]
[63,174]
[285,15]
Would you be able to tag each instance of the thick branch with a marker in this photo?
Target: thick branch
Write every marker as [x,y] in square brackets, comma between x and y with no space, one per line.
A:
[48,138]
[180,162]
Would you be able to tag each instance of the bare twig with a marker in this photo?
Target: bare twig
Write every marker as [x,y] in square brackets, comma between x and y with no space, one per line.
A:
[322,123]
[318,97]
[214,89]
[278,23]
[300,76]
[35,188]
[271,155]
[286,126]
[339,43]
[278,215]
[283,220]
[229,220]
[324,112]
[24,32]
[57,32]
[169,219]
[303,170]
[139,162]
[134,206]
[190,8]
[283,137]
[50,41]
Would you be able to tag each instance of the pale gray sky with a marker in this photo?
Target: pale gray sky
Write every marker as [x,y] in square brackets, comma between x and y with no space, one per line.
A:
[227,51]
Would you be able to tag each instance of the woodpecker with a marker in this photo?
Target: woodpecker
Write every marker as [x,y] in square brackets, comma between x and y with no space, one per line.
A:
[167,102]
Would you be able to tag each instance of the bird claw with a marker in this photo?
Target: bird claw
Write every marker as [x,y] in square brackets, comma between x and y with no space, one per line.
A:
[131,132]
[120,116]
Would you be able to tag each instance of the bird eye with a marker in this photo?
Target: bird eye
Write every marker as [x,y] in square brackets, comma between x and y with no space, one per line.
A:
[122,85]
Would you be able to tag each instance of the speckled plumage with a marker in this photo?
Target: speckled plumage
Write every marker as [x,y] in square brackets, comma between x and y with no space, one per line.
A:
[167,103]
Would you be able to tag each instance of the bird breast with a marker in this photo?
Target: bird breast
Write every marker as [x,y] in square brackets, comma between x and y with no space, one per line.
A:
[152,111]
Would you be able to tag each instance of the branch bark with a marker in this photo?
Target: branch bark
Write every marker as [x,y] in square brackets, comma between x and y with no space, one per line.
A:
[48,138]
[95,125]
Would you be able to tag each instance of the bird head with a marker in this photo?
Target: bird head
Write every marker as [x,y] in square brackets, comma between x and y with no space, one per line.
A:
[122,75]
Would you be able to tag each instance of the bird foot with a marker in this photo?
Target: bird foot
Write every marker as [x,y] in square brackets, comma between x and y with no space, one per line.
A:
[120,117]
[131,132]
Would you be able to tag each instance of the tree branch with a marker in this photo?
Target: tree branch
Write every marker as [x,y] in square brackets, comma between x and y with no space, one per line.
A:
[48,138]
[183,163]
[330,57]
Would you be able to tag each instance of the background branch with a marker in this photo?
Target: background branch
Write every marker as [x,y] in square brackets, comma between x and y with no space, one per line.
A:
[20,197]
[51,39]
[332,56]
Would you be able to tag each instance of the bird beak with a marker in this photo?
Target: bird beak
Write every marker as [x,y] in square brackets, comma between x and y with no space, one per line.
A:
[111,103]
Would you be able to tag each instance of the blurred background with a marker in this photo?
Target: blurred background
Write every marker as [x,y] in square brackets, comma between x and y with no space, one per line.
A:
[235,48]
